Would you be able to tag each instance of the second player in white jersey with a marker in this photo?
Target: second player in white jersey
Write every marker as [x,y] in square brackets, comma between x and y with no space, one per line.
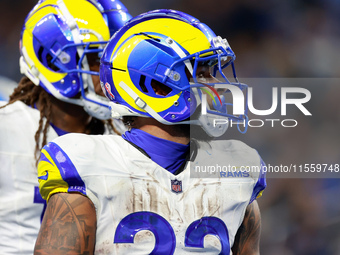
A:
[21,204]
[60,71]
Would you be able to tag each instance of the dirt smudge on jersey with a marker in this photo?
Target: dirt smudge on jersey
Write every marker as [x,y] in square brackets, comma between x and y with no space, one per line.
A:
[205,202]
[148,196]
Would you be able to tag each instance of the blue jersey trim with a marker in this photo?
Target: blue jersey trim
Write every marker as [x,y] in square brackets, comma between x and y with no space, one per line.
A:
[44,158]
[66,168]
[261,183]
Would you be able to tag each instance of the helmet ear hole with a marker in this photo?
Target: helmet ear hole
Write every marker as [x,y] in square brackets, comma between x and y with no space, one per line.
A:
[50,64]
[47,59]
[77,60]
[142,84]
[160,89]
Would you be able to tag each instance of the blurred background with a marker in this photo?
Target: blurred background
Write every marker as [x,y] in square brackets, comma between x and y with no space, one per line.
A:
[293,41]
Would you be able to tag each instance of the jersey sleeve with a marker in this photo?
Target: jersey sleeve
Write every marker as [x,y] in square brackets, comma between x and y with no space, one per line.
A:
[57,173]
[261,183]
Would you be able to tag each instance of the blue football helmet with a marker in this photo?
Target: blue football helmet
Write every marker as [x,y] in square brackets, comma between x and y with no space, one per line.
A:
[114,12]
[60,46]
[165,50]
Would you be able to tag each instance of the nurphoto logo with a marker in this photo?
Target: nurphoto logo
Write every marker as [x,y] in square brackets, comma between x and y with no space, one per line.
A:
[239,102]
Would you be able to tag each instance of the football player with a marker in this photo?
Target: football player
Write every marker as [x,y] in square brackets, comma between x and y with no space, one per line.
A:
[148,191]
[60,46]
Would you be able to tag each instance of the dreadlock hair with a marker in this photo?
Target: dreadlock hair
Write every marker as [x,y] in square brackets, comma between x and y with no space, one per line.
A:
[30,94]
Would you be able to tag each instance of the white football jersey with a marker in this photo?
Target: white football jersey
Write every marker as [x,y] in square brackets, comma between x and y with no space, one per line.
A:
[142,208]
[21,205]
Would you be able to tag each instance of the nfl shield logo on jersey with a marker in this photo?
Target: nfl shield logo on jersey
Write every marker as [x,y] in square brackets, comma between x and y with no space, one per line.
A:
[176,186]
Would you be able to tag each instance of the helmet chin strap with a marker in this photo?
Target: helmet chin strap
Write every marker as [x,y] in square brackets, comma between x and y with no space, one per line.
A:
[213,126]
[96,110]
